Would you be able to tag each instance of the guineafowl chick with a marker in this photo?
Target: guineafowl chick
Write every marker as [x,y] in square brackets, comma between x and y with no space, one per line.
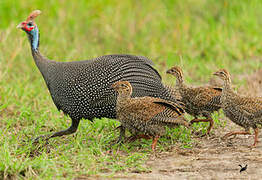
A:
[146,115]
[198,101]
[244,111]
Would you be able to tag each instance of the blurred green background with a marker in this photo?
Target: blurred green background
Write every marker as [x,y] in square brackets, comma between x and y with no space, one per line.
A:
[199,35]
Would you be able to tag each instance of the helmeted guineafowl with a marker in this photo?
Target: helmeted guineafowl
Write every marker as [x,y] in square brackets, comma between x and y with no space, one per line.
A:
[82,89]
[146,115]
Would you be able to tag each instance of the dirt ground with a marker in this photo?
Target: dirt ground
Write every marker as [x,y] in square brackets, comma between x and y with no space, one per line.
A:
[211,157]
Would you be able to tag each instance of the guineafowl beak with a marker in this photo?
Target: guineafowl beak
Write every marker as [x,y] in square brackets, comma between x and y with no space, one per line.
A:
[30,18]
[20,26]
[216,74]
[170,71]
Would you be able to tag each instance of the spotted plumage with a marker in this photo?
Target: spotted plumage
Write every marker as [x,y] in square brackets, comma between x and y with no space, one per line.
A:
[198,101]
[82,89]
[244,111]
[146,115]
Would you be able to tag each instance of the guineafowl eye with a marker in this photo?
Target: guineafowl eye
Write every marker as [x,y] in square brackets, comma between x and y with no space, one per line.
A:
[30,24]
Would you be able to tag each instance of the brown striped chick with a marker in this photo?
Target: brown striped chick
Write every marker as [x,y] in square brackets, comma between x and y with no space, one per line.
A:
[145,116]
[198,101]
[244,111]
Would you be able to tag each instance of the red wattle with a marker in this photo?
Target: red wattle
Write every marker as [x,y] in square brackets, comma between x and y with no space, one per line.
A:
[29,29]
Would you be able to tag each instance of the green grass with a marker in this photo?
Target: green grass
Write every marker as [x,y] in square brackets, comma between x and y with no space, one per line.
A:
[199,35]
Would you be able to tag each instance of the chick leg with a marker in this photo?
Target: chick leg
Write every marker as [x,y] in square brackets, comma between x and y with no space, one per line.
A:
[256,137]
[121,135]
[153,146]
[210,120]
[139,136]
[235,133]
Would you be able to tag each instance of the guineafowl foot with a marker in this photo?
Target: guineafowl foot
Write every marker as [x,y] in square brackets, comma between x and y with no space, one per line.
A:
[40,138]
[253,145]
[72,129]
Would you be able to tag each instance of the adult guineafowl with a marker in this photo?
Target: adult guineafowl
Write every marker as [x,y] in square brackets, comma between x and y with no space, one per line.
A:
[82,89]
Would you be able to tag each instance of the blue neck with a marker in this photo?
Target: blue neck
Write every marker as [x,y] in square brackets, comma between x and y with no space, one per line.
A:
[34,38]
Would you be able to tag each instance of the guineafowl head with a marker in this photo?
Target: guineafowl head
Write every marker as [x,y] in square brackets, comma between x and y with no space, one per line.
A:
[177,72]
[122,87]
[223,74]
[31,29]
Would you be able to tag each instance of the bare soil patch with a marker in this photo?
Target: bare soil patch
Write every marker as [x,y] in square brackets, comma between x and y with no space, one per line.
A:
[210,158]
[254,84]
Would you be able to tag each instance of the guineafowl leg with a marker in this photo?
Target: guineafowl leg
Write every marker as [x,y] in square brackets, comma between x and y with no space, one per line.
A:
[235,133]
[256,137]
[70,130]
[153,146]
[210,120]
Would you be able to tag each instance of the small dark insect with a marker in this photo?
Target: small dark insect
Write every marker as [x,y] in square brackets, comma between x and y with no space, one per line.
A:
[242,168]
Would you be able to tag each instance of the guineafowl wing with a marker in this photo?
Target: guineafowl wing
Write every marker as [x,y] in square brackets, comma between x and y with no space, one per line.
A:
[207,97]
[169,105]
[250,107]
[174,92]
